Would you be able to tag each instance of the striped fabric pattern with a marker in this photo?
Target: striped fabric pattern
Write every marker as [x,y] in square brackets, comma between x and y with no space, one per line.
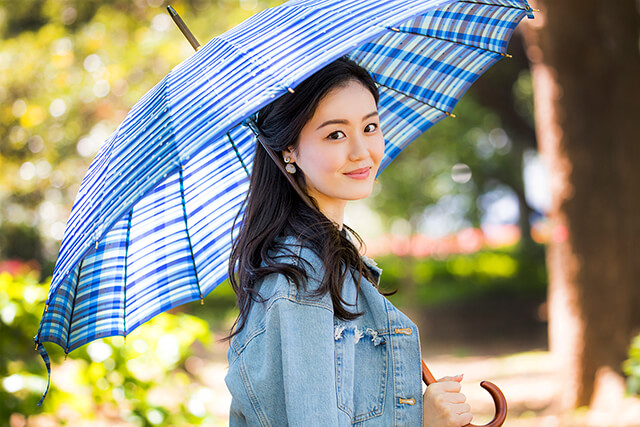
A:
[151,225]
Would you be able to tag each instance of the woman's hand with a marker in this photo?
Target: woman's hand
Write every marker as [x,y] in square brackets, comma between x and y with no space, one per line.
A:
[444,405]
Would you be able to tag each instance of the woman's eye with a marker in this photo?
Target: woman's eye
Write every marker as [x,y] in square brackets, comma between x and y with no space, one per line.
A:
[332,135]
[338,134]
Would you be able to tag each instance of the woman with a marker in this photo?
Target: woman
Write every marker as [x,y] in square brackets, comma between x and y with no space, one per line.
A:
[315,341]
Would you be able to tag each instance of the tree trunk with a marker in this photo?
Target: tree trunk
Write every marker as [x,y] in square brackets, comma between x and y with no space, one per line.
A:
[586,74]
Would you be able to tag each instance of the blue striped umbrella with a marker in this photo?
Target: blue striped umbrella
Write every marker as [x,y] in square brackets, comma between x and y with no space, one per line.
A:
[150,228]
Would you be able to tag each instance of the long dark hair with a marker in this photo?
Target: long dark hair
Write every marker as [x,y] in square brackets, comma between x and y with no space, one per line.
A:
[273,208]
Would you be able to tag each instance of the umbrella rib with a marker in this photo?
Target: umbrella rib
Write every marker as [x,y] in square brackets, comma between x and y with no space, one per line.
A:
[37,337]
[416,99]
[397,30]
[73,307]
[496,5]
[186,229]
[238,154]
[126,255]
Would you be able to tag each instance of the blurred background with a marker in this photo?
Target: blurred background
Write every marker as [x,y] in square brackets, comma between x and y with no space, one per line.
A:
[511,231]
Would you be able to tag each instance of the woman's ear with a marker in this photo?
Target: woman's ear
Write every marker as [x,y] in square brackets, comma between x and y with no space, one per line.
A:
[288,153]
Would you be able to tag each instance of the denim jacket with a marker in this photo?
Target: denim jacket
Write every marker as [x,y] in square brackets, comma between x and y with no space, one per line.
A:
[296,364]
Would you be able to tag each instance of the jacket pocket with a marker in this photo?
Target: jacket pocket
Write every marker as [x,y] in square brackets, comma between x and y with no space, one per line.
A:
[361,370]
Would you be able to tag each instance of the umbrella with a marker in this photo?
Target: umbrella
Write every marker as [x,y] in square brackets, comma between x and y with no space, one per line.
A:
[151,226]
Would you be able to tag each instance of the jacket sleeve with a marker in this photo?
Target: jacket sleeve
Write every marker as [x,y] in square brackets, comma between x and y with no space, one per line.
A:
[302,333]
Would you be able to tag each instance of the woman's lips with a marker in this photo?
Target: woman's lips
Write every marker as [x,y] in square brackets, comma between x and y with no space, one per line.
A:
[359,173]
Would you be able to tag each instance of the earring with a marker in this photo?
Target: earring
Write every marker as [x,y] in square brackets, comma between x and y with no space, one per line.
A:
[290,167]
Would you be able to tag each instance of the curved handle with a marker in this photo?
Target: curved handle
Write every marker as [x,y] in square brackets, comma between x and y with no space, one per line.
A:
[497,395]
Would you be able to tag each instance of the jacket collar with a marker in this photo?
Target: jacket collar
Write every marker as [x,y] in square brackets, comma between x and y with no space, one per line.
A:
[373,266]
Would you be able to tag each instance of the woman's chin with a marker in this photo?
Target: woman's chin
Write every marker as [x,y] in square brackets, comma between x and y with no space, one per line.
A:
[346,191]
[361,193]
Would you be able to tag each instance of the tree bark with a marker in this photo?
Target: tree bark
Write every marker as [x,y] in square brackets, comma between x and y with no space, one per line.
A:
[586,73]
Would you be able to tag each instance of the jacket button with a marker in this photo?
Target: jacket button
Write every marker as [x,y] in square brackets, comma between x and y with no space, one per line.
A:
[405,331]
[411,401]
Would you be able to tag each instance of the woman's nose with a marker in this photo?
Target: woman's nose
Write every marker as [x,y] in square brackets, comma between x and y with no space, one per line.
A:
[358,148]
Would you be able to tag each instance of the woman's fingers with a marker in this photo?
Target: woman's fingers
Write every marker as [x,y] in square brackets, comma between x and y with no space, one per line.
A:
[464,419]
[462,408]
[456,397]
[457,378]
[445,405]
[460,414]
[448,386]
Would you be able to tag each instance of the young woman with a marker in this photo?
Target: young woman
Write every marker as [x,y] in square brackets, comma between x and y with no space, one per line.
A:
[316,342]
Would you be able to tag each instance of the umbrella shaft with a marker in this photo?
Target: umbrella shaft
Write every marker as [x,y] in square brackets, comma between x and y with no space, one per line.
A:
[183,27]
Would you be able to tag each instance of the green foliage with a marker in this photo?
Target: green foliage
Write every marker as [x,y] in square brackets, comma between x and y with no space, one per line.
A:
[21,369]
[632,367]
[218,310]
[19,241]
[463,277]
[69,73]
[142,380]
[423,173]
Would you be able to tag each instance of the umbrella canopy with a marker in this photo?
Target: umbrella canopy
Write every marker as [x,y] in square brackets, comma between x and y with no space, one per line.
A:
[151,226]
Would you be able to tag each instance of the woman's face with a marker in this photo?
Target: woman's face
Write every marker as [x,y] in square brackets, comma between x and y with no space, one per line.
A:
[340,148]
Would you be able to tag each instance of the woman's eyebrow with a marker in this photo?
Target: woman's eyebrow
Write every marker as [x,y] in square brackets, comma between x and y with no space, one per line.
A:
[344,122]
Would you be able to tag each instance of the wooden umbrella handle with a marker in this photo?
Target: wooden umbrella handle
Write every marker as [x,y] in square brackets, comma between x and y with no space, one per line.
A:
[494,391]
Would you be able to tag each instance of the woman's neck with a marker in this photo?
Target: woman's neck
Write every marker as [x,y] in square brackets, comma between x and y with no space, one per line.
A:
[335,213]
[331,208]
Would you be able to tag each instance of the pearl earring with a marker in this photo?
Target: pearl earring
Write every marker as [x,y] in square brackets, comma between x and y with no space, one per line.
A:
[290,167]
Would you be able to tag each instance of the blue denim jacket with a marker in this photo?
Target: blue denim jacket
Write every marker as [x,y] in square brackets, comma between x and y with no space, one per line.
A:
[294,363]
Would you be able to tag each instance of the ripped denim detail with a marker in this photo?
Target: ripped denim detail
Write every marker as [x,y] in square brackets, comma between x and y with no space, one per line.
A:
[358,333]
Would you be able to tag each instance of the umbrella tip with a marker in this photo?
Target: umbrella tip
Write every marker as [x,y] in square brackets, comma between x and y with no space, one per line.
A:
[529,11]
[172,11]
